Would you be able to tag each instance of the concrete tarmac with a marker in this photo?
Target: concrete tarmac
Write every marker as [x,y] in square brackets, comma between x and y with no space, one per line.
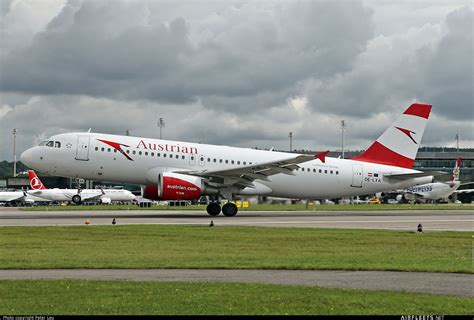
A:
[422,282]
[431,220]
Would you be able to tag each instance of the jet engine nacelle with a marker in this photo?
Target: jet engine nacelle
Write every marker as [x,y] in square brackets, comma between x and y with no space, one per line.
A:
[175,186]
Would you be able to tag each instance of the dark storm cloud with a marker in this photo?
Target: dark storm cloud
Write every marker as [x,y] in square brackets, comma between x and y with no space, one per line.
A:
[121,50]
[404,68]
[448,71]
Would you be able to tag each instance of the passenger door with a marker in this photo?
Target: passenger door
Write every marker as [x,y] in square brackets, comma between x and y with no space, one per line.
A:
[357,176]
[82,152]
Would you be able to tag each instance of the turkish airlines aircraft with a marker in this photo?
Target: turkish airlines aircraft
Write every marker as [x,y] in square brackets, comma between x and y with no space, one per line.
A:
[435,190]
[174,170]
[76,196]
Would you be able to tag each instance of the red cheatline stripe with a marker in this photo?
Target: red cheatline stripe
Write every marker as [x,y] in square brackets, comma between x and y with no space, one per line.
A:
[378,153]
[419,109]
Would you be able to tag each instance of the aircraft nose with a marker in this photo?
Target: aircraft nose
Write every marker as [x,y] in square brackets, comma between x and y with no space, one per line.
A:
[27,157]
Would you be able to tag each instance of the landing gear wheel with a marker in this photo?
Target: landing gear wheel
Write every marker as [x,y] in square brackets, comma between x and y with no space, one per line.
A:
[229,209]
[213,209]
[76,199]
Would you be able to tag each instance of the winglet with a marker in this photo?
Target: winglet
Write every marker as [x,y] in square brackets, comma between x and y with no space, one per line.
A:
[35,182]
[322,156]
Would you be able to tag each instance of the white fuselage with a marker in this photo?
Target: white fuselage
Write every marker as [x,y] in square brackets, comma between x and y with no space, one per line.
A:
[83,155]
[8,196]
[434,191]
[86,194]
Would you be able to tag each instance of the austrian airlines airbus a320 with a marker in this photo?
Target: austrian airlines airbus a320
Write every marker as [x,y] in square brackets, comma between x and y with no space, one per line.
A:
[174,170]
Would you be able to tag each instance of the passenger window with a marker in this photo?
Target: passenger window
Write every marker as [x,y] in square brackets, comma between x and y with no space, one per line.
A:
[208,159]
[96,148]
[314,170]
[152,154]
[325,171]
[57,144]
[202,158]
[182,157]
[227,161]
[192,157]
[320,171]
[215,160]
[331,171]
[232,161]
[139,153]
[146,153]
[220,160]
[177,156]
[158,154]
[164,155]
[308,169]
[134,152]
[102,149]
[337,172]
[108,149]
[238,162]
[115,150]
[245,163]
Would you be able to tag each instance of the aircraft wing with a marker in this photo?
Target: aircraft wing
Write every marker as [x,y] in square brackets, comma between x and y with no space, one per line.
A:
[243,176]
[406,176]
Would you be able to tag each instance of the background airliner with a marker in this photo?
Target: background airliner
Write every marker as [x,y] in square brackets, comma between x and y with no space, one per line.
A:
[174,170]
[435,190]
[76,195]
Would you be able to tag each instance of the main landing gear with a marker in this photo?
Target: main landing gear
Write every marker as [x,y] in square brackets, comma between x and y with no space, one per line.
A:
[229,209]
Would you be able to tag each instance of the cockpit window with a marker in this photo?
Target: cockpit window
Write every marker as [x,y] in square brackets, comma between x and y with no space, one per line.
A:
[57,144]
[43,143]
[49,143]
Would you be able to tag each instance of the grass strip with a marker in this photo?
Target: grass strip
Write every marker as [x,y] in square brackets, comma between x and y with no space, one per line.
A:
[81,297]
[178,246]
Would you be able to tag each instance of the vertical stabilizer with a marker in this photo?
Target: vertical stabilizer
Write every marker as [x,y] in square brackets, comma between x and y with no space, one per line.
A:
[457,167]
[398,145]
[35,182]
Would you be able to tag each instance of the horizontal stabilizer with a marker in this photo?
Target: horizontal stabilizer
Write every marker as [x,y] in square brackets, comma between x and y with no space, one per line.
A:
[406,176]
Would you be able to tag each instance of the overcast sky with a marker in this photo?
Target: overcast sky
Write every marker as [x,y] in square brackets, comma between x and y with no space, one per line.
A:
[233,72]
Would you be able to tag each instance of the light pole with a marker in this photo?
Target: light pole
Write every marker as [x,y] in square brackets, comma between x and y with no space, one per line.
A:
[343,127]
[457,143]
[290,135]
[15,131]
[161,125]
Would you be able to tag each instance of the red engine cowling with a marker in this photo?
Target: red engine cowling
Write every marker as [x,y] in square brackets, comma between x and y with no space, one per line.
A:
[175,186]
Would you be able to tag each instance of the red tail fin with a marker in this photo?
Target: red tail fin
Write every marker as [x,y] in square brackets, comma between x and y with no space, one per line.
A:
[398,145]
[35,182]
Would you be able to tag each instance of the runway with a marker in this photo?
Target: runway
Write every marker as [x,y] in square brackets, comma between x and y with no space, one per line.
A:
[422,282]
[431,220]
